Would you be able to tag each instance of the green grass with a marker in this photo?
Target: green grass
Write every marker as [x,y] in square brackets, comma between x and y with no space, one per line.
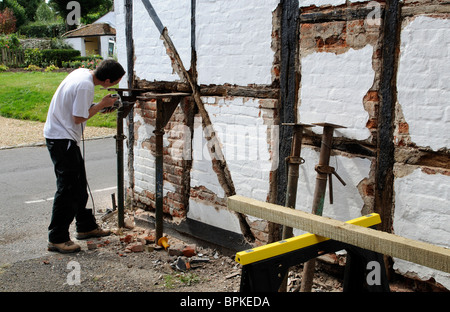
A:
[27,96]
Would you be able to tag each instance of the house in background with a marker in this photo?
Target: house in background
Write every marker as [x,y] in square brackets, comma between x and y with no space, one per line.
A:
[98,38]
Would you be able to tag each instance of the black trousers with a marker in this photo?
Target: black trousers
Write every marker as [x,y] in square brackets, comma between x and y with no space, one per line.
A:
[71,195]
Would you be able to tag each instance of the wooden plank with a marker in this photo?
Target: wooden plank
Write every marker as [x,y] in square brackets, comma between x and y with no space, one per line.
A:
[152,96]
[295,243]
[385,243]
[258,91]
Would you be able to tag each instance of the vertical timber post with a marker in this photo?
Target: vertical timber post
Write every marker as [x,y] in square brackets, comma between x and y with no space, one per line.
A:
[120,114]
[388,96]
[289,84]
[119,151]
[384,175]
[131,85]
[159,133]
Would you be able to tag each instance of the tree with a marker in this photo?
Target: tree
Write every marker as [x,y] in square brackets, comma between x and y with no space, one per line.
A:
[44,14]
[30,7]
[7,21]
[17,9]
[87,6]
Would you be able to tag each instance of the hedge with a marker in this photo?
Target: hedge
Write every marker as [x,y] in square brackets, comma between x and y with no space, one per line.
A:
[43,58]
[41,30]
[57,56]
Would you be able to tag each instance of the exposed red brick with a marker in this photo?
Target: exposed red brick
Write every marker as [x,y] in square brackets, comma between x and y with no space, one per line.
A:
[403,128]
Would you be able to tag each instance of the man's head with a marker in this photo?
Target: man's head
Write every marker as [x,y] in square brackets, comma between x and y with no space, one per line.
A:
[109,73]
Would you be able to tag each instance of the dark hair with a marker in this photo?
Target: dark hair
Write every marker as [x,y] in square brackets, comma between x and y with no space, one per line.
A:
[109,69]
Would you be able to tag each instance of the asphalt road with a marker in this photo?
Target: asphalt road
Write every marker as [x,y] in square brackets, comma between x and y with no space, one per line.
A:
[27,187]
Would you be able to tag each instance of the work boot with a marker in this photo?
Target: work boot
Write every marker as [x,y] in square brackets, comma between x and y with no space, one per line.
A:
[67,247]
[98,232]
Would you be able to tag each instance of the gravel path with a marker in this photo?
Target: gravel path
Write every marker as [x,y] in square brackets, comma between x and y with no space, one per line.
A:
[111,266]
[15,132]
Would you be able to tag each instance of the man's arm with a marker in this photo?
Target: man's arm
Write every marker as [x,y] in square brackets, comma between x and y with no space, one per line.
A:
[107,101]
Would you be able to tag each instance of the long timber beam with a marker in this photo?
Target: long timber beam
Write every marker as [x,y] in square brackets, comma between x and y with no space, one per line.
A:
[422,253]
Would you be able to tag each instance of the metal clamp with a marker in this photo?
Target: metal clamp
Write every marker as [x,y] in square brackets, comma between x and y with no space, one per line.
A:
[325,169]
[297,160]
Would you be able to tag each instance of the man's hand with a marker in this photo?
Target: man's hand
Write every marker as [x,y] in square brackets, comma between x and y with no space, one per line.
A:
[106,102]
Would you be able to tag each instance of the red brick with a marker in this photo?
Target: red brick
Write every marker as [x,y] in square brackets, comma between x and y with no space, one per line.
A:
[189,251]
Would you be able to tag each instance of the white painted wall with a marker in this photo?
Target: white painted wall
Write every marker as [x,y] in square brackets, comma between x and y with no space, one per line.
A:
[152,62]
[423,84]
[243,137]
[233,41]
[77,44]
[119,12]
[332,90]
[109,18]
[104,46]
[422,212]
[144,161]
[424,81]
[225,51]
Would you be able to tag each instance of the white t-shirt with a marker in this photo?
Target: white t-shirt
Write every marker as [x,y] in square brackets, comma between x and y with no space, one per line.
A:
[73,97]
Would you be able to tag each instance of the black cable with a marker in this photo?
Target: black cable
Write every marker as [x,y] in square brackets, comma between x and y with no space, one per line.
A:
[87,183]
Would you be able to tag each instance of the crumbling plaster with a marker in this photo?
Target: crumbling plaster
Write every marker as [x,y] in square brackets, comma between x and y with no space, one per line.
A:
[424,81]
[333,88]
[422,213]
[422,193]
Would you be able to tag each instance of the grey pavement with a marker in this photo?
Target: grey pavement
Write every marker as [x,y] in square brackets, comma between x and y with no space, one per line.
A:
[27,187]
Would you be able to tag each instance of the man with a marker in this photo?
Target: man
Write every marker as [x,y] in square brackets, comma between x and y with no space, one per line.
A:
[70,108]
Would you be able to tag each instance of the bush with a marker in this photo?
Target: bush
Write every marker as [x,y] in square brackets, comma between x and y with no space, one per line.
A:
[32,68]
[51,68]
[3,67]
[48,57]
[59,43]
[33,57]
[57,56]
[90,62]
[9,41]
[41,30]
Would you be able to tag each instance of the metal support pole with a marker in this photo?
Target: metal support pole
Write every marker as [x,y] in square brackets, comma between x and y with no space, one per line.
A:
[159,133]
[293,162]
[319,194]
[119,150]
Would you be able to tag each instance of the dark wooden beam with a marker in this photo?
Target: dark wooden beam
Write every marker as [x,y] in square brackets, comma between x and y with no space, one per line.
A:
[335,14]
[289,84]
[258,91]
[384,176]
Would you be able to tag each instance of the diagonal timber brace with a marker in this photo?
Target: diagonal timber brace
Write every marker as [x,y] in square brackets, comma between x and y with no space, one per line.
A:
[217,156]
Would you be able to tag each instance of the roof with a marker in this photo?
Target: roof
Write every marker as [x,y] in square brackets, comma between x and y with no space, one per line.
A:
[91,30]
[109,18]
